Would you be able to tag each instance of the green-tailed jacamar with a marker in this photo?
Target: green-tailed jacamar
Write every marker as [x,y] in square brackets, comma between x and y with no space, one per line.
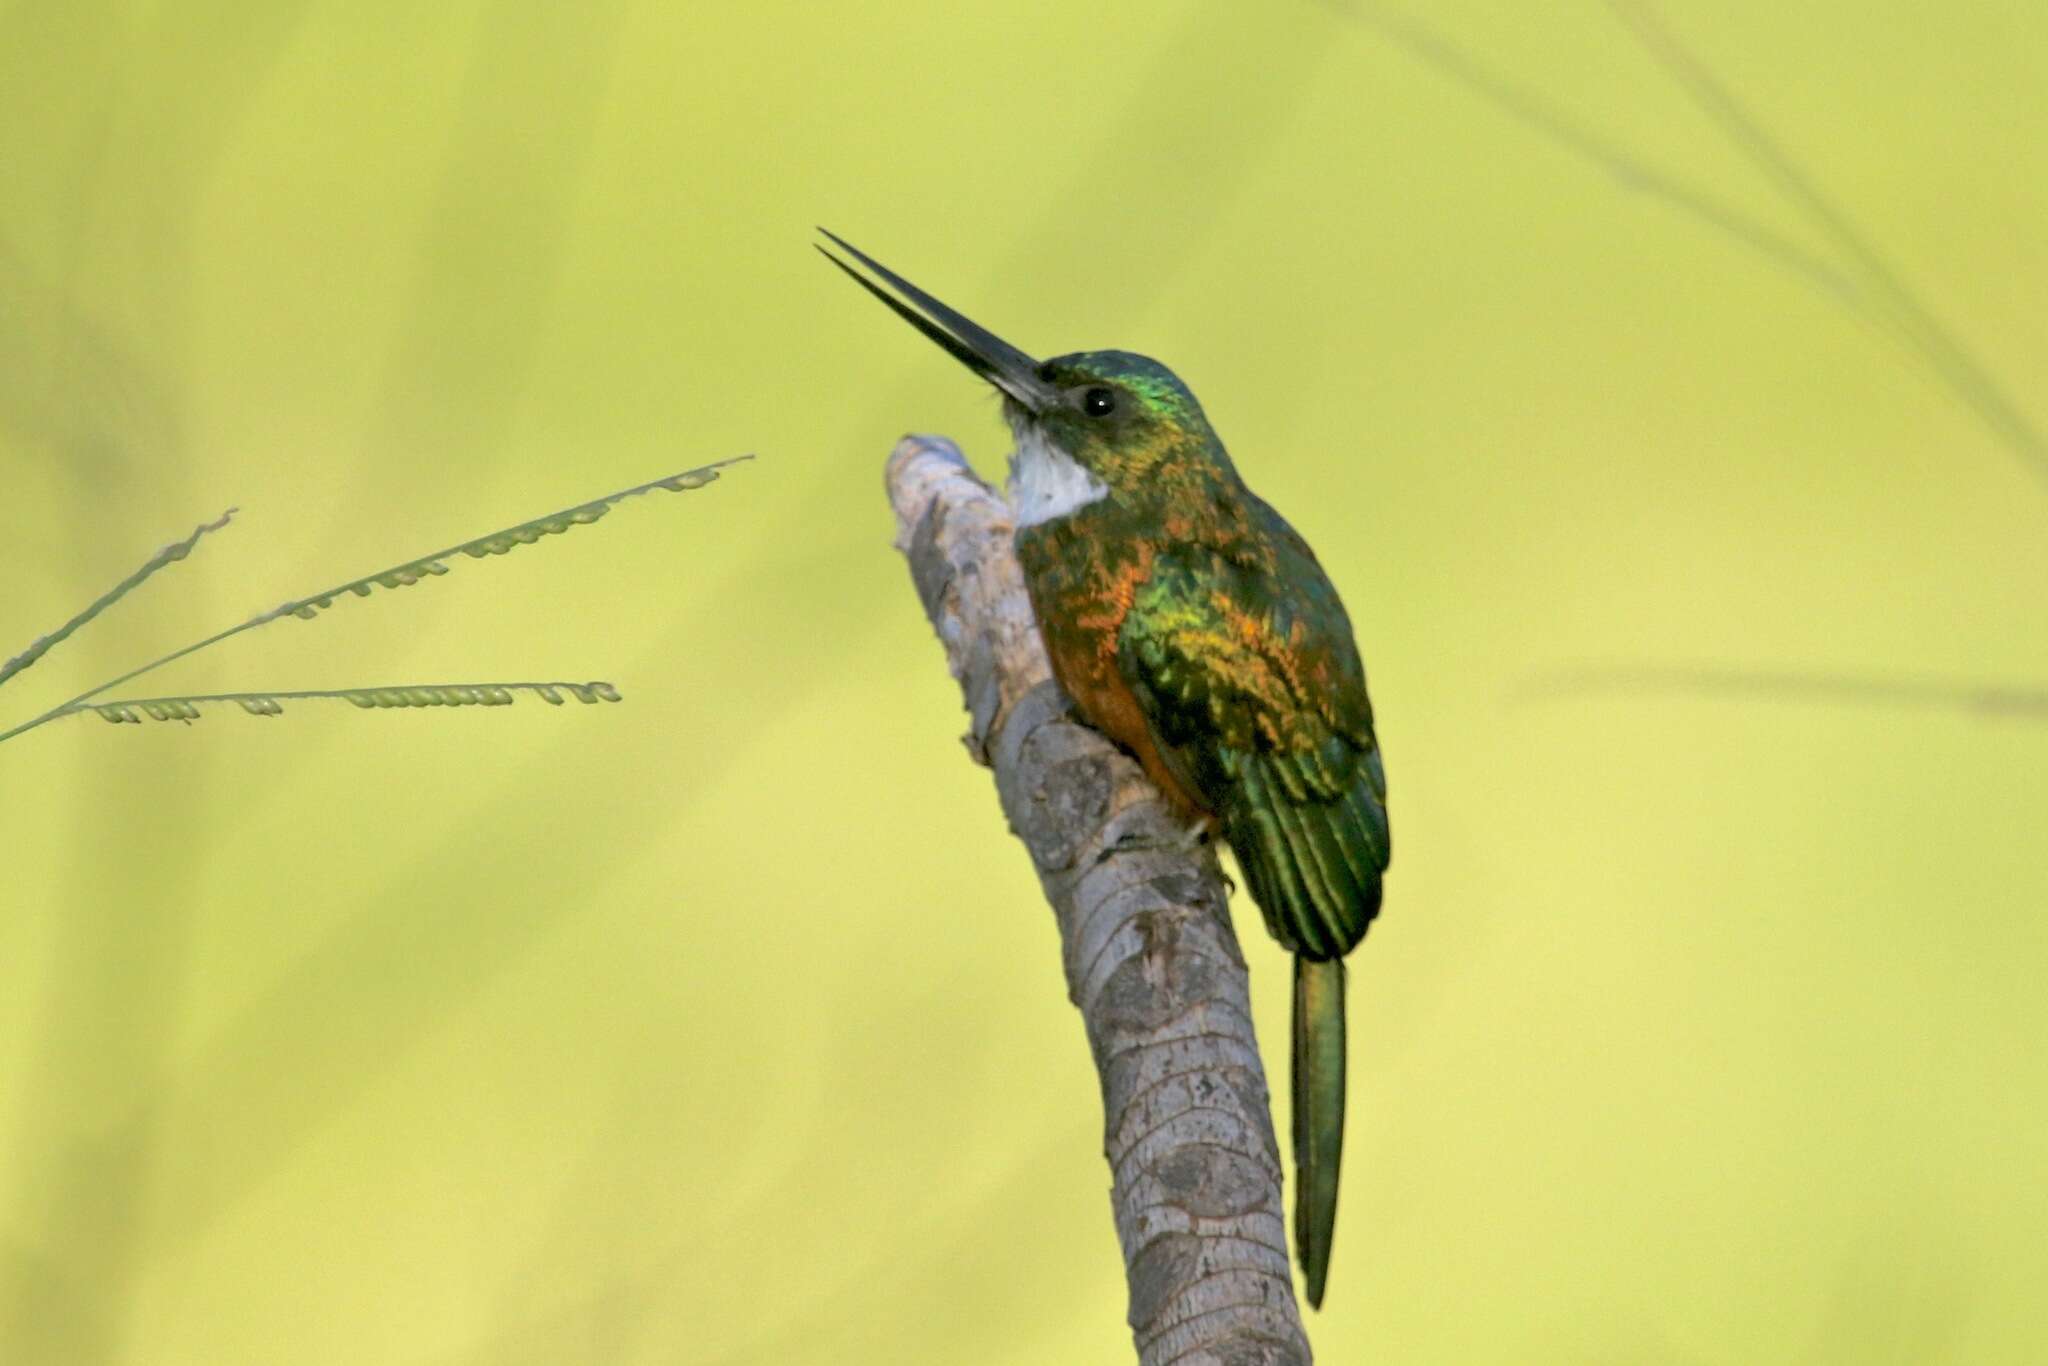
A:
[1192,625]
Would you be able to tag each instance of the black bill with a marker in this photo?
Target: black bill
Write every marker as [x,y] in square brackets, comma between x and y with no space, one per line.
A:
[974,346]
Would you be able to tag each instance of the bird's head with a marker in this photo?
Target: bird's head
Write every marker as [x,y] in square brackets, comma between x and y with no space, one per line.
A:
[1089,425]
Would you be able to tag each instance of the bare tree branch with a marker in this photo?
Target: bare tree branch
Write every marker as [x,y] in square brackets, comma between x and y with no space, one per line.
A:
[1145,933]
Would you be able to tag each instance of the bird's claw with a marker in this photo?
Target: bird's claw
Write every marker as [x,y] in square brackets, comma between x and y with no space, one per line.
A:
[1186,840]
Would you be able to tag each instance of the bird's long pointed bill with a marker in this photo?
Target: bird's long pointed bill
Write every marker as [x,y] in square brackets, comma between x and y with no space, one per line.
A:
[973,345]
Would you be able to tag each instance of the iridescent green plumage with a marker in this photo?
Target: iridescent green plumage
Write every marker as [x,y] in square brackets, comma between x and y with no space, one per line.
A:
[1193,625]
[1244,665]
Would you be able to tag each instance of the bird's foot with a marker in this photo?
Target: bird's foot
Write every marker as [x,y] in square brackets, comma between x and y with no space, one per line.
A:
[1189,838]
[1194,835]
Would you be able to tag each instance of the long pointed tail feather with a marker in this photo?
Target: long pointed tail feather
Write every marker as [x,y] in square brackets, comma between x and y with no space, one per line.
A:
[1313,864]
[1318,1113]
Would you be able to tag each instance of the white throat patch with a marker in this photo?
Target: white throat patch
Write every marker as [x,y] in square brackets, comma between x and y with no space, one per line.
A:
[1045,482]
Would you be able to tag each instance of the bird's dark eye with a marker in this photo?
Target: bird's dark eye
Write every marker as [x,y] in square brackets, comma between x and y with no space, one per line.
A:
[1099,402]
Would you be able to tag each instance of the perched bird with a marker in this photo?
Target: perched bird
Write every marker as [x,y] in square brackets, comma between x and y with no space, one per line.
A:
[1192,625]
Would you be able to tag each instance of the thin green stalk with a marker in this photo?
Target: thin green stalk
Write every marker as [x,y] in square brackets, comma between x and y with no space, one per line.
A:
[400,575]
[170,554]
[186,706]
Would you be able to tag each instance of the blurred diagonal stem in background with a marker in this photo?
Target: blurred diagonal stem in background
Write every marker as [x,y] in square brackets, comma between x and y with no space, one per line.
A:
[1630,171]
[1145,933]
[1960,370]
[1863,283]
[1784,685]
[1860,280]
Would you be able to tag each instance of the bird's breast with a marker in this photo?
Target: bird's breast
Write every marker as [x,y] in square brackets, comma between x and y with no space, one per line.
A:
[1082,588]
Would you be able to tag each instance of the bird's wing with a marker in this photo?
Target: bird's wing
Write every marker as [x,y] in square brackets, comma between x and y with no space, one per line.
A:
[1251,686]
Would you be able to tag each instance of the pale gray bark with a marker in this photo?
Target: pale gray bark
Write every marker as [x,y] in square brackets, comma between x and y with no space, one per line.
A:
[1145,933]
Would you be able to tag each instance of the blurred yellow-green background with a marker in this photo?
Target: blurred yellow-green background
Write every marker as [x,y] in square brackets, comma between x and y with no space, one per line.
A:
[1705,1021]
